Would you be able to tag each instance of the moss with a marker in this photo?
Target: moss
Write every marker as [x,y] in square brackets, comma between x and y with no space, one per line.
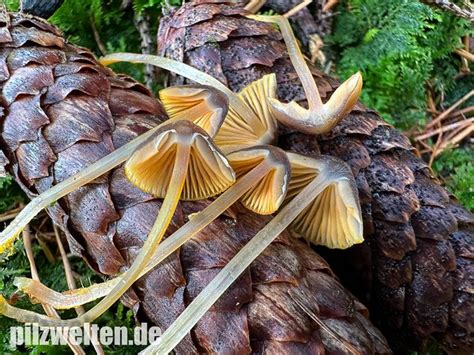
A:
[456,168]
[400,46]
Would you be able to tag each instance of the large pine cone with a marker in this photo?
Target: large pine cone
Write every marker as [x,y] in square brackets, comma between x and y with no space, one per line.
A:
[61,111]
[415,268]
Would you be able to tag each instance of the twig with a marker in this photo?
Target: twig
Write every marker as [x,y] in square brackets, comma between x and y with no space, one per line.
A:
[47,252]
[10,214]
[71,283]
[99,42]
[329,5]
[315,46]
[50,311]
[453,8]
[446,113]
[297,8]
[456,139]
[445,129]
[465,54]
[254,5]
[430,101]
[451,135]
[427,147]
[147,45]
[435,150]
[462,112]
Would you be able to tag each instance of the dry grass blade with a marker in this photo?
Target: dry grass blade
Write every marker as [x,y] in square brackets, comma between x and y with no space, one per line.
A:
[297,8]
[6,216]
[50,311]
[446,113]
[446,128]
[456,139]
[465,54]
[254,5]
[464,111]
[329,5]
[71,283]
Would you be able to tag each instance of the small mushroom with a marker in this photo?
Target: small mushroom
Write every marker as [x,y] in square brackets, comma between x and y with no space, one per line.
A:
[158,161]
[209,97]
[250,120]
[237,132]
[319,118]
[329,170]
[179,161]
[267,196]
[203,105]
[333,218]
[263,175]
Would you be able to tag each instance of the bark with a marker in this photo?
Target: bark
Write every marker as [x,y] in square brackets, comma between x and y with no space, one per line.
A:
[147,45]
[310,21]
[41,8]
[415,268]
[466,13]
[60,112]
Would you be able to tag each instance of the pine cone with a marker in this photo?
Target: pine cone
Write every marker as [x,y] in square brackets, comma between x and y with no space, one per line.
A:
[415,268]
[62,111]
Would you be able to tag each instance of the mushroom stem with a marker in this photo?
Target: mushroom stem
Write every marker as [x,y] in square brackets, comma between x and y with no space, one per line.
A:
[211,293]
[161,165]
[319,118]
[100,167]
[188,72]
[157,232]
[162,221]
[297,59]
[74,298]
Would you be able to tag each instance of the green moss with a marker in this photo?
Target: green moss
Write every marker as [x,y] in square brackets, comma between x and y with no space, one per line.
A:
[52,274]
[10,194]
[400,46]
[456,167]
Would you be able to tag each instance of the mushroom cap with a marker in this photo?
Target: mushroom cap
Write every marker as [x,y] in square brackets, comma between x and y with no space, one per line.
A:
[334,218]
[269,193]
[203,105]
[151,166]
[319,121]
[345,97]
[236,132]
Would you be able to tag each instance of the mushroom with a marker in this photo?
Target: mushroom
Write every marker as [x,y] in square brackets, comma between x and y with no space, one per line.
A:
[207,106]
[210,98]
[333,218]
[236,132]
[326,171]
[319,118]
[267,196]
[250,120]
[179,161]
[263,174]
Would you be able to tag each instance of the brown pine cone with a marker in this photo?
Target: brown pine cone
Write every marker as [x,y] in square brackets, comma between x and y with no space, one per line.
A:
[415,268]
[62,111]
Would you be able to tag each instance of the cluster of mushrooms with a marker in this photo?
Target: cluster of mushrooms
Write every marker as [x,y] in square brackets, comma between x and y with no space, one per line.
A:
[216,142]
